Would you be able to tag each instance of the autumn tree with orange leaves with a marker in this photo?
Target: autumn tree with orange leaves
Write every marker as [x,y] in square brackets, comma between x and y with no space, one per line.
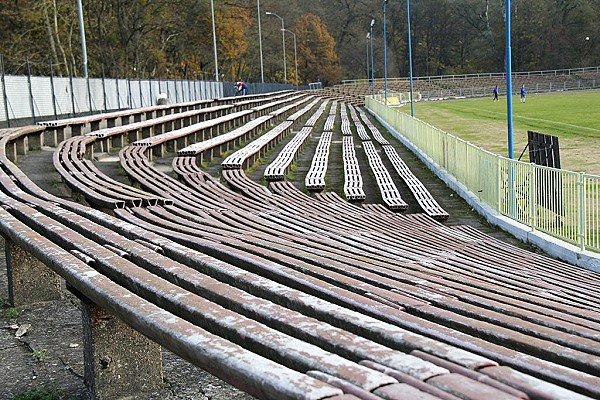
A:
[317,57]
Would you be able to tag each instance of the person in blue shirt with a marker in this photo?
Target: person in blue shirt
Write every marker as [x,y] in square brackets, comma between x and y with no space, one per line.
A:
[523,93]
[495,93]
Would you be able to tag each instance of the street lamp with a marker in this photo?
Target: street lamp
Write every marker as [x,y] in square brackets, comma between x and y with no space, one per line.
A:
[82,33]
[295,56]
[283,41]
[385,53]
[410,63]
[212,10]
[368,70]
[262,75]
[372,60]
[509,105]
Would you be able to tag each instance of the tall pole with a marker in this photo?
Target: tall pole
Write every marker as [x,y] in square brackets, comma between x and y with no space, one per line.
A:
[509,107]
[283,41]
[82,33]
[295,57]
[4,95]
[385,53]
[368,70]
[412,100]
[212,11]
[372,60]
[31,102]
[509,115]
[262,74]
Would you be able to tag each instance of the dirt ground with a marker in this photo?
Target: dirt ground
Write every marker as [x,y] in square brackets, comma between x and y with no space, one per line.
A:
[50,356]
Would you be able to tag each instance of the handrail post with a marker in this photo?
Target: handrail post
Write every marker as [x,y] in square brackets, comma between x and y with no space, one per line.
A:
[532,196]
[498,184]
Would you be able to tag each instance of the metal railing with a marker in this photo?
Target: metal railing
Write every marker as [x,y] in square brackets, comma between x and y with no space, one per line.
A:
[561,203]
[486,75]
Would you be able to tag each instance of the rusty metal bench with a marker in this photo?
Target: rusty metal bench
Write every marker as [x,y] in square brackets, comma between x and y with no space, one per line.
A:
[80,125]
[353,184]
[369,278]
[277,169]
[388,190]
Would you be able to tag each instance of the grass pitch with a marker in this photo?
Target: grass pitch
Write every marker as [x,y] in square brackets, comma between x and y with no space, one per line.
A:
[572,116]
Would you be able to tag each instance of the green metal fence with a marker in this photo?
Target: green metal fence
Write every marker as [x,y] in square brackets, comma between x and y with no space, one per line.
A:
[561,203]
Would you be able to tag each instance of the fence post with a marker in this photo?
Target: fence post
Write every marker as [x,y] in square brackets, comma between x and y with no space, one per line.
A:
[4,92]
[129,99]
[52,88]
[104,90]
[140,86]
[87,81]
[72,92]
[30,89]
[151,96]
[581,210]
[118,94]
[176,93]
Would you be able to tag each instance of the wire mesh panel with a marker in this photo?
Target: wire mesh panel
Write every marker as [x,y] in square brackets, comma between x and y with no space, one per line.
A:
[97,95]
[41,89]
[18,97]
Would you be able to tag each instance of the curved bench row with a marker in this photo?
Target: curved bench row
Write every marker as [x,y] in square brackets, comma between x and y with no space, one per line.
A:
[262,252]
[315,177]
[344,272]
[277,169]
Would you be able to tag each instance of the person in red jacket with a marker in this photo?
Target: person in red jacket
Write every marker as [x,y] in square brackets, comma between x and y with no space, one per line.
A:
[242,88]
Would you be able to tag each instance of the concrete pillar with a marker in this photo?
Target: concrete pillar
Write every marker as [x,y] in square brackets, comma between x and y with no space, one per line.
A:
[29,280]
[52,135]
[36,140]
[118,361]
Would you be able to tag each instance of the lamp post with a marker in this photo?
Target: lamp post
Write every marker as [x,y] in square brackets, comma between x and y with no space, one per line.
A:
[412,102]
[212,10]
[372,60]
[368,70]
[509,84]
[82,32]
[262,74]
[385,53]
[295,57]
[283,41]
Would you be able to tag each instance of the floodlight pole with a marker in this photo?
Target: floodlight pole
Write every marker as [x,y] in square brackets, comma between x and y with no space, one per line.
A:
[368,70]
[509,115]
[509,107]
[262,74]
[410,66]
[372,61]
[283,42]
[385,76]
[82,33]
[295,56]
[212,11]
